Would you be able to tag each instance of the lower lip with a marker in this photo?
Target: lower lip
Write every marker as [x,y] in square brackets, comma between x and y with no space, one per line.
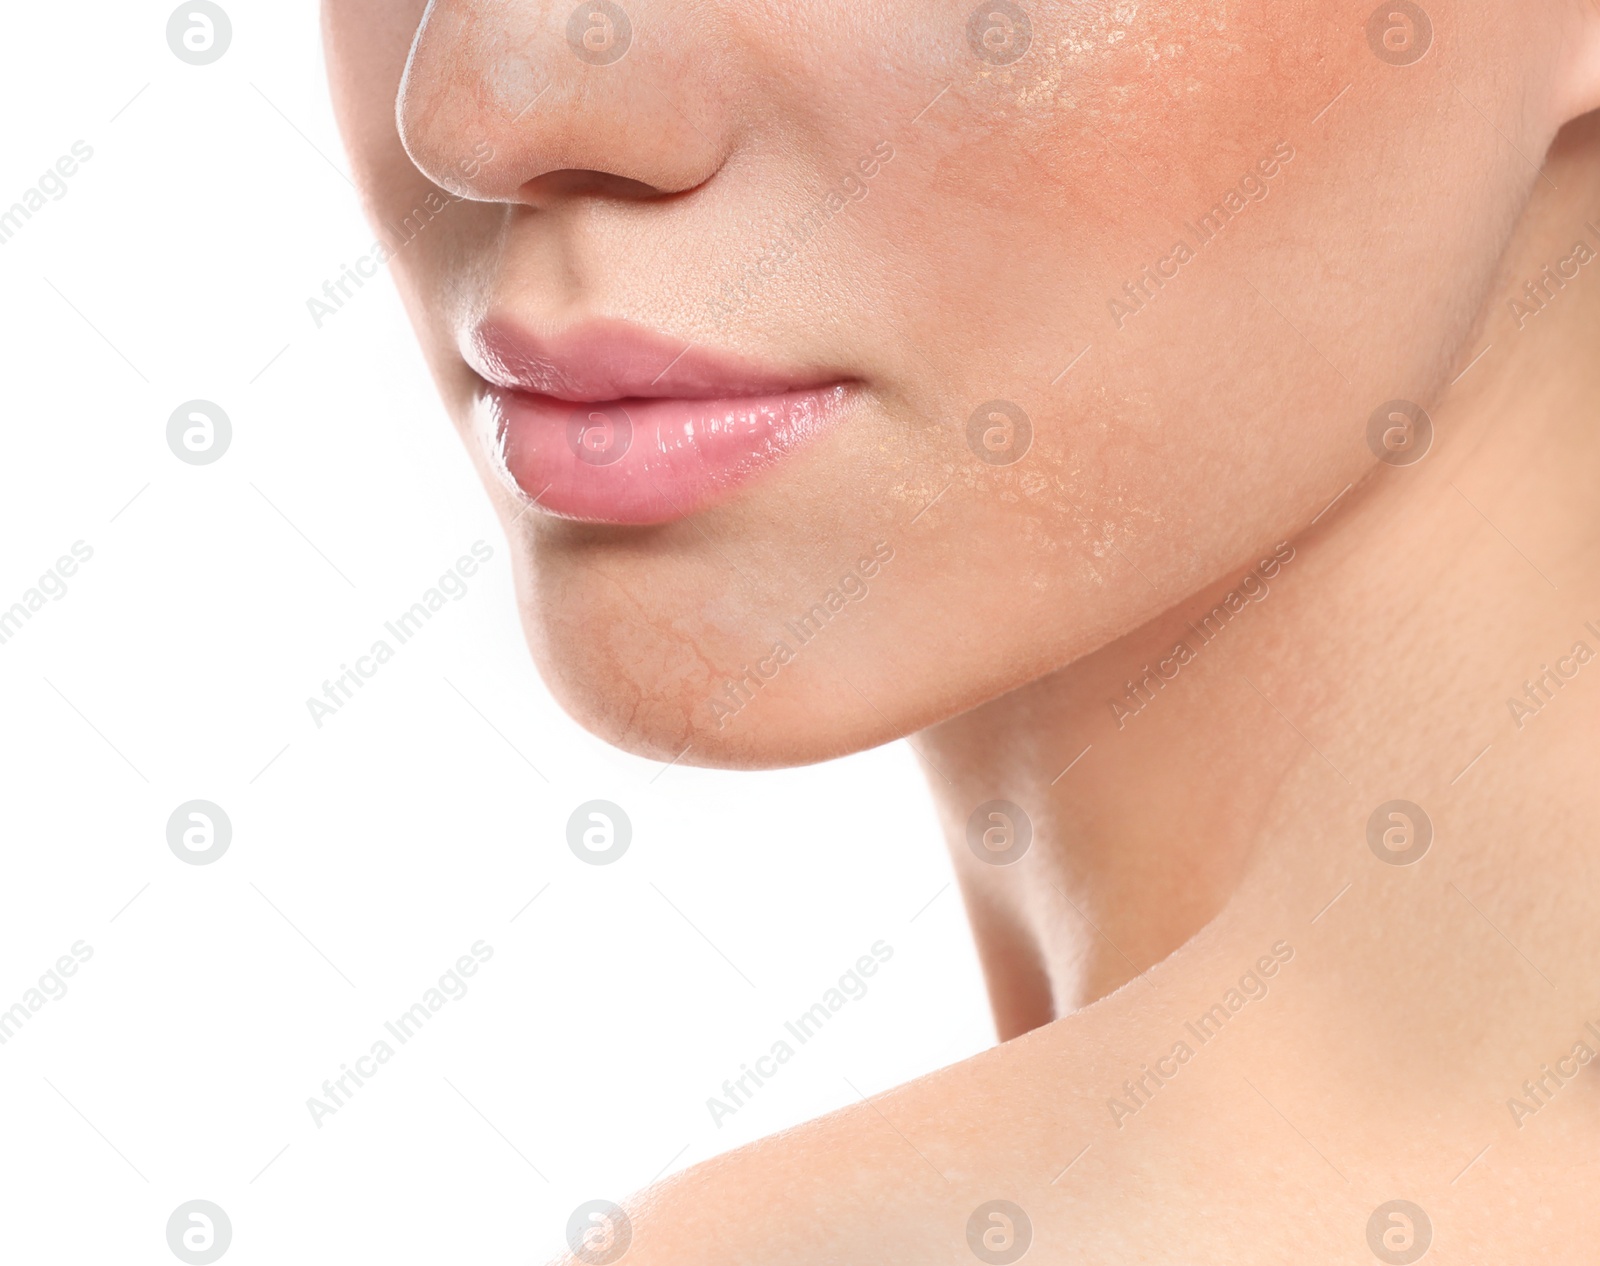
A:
[651,460]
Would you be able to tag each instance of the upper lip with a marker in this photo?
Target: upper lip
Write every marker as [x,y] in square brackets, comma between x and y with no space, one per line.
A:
[603,359]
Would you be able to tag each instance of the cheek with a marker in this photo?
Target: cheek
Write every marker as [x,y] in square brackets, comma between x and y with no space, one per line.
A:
[1085,209]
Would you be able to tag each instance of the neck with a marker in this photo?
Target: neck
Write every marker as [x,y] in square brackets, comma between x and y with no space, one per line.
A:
[1434,638]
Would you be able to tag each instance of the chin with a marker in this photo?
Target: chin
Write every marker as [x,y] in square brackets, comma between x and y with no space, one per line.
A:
[652,668]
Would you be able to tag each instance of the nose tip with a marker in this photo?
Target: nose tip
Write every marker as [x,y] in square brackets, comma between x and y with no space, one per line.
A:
[505,101]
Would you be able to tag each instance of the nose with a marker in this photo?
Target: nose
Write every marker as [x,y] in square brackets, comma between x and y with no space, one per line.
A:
[512,101]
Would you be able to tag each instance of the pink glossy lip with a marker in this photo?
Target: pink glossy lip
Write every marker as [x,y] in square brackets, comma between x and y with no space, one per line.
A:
[612,423]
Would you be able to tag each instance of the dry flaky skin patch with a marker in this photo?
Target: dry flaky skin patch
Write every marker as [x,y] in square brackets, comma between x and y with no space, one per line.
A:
[613,661]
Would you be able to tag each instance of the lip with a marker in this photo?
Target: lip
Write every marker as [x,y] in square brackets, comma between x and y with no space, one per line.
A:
[612,423]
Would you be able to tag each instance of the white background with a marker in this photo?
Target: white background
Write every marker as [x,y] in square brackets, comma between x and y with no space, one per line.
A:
[370,854]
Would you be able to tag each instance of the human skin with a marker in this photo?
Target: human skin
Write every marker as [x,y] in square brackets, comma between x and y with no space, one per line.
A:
[1216,425]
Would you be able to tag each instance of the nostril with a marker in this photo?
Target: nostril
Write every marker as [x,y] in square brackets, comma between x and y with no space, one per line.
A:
[580,183]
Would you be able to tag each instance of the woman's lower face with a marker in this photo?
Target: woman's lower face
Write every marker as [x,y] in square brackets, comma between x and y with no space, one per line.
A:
[1056,314]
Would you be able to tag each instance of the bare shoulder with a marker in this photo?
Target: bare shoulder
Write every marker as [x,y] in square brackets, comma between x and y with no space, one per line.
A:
[1136,1131]
[958,1166]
